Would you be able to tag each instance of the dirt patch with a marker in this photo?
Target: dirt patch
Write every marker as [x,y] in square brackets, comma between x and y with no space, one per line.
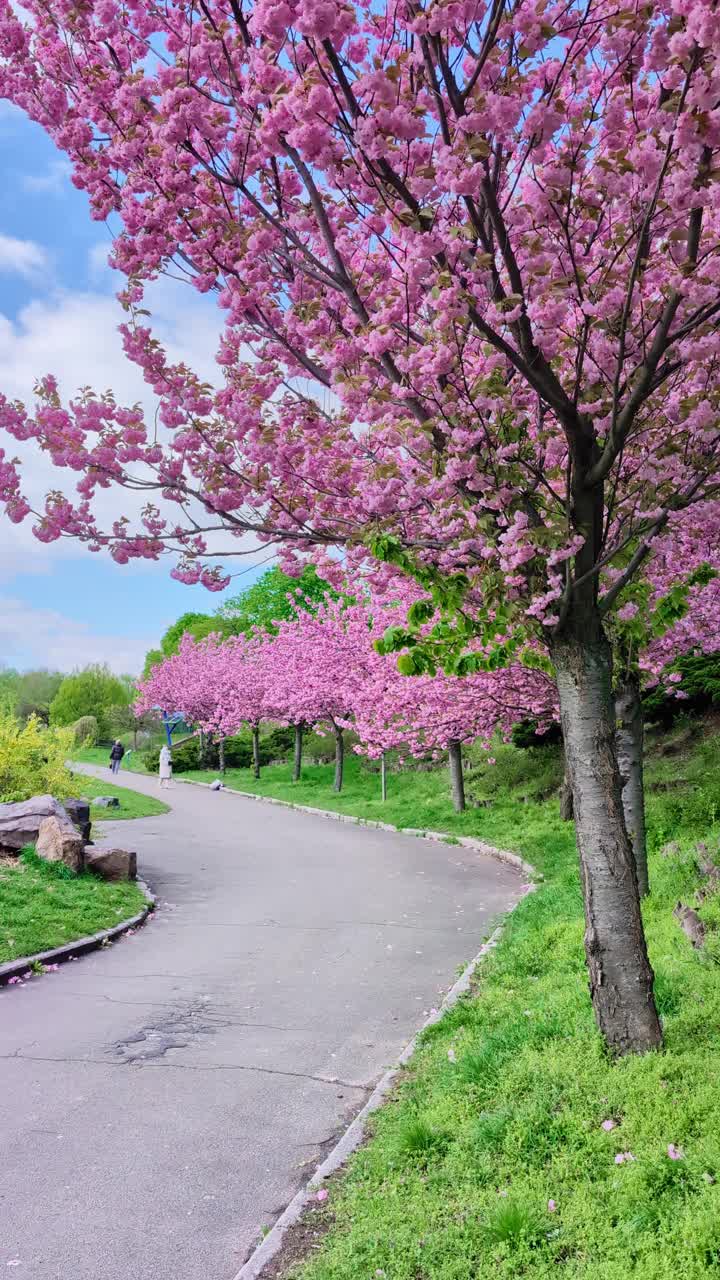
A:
[300,1241]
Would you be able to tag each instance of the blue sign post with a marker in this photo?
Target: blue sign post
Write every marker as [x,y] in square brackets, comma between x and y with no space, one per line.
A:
[171,721]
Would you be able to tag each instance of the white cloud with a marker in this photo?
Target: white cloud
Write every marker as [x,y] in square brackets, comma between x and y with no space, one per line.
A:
[21,257]
[53,182]
[75,337]
[31,637]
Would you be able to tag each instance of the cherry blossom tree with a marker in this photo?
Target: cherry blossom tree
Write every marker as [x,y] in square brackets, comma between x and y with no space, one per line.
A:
[314,668]
[429,715]
[218,684]
[469,261]
[674,613]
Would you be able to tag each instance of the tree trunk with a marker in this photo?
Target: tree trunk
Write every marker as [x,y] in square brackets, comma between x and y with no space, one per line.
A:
[621,979]
[256,750]
[566,798]
[297,756]
[339,759]
[629,748]
[457,783]
[221,755]
[383,777]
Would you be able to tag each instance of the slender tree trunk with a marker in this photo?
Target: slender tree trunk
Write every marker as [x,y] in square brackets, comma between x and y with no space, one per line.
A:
[566,798]
[629,747]
[339,758]
[457,783]
[297,755]
[203,750]
[383,777]
[256,750]
[221,755]
[621,979]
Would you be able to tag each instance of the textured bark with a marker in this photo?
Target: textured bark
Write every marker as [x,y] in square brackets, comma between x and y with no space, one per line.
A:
[256,750]
[297,755]
[383,777]
[629,748]
[221,755]
[339,758]
[621,979]
[457,782]
[566,798]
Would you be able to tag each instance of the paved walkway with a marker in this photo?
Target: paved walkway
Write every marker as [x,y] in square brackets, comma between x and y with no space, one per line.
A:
[162,1100]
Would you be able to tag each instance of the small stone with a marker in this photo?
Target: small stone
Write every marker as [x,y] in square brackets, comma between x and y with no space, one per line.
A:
[79,813]
[20,821]
[107,802]
[58,841]
[111,864]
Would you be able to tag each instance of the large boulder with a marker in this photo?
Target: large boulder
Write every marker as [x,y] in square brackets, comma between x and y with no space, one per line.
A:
[79,811]
[111,864]
[59,841]
[20,822]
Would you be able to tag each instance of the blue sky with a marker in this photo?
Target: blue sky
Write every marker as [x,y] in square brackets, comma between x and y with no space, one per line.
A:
[60,605]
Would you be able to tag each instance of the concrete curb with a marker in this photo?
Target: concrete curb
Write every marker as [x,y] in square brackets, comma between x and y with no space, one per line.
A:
[350,1140]
[439,837]
[69,950]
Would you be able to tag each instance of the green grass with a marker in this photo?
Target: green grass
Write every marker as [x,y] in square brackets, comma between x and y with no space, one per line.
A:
[101,756]
[43,905]
[491,1162]
[132,803]
[416,799]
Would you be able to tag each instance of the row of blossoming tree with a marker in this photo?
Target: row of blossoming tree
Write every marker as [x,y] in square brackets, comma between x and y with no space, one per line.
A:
[322,669]
[468,257]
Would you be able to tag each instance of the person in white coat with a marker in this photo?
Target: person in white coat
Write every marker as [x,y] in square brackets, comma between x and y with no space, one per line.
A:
[165,766]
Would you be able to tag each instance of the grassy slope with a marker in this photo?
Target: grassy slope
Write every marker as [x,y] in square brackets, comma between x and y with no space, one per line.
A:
[43,905]
[415,799]
[101,756]
[132,803]
[502,1109]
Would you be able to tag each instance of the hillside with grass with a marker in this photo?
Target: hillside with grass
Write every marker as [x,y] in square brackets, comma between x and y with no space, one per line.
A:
[513,1146]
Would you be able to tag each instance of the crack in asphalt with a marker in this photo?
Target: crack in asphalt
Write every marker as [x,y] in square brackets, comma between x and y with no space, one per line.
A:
[335,1081]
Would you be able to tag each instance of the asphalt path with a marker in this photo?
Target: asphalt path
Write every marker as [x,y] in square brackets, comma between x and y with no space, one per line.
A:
[161,1101]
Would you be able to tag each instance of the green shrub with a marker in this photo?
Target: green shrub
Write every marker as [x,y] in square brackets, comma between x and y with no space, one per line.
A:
[32,759]
[184,757]
[700,682]
[86,731]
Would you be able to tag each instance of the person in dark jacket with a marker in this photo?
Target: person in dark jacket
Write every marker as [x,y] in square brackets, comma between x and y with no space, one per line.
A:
[117,751]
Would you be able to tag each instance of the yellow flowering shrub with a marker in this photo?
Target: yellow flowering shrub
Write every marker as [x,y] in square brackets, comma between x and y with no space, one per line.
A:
[32,759]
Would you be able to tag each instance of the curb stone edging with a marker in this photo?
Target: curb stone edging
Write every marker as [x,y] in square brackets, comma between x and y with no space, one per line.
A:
[438,837]
[350,1140]
[58,955]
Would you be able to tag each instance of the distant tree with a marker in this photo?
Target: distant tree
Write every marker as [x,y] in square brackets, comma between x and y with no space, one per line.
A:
[36,690]
[122,718]
[197,625]
[86,731]
[272,599]
[9,684]
[90,692]
[152,658]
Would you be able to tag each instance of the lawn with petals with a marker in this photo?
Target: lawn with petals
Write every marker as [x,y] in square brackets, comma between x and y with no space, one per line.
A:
[43,905]
[513,1147]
